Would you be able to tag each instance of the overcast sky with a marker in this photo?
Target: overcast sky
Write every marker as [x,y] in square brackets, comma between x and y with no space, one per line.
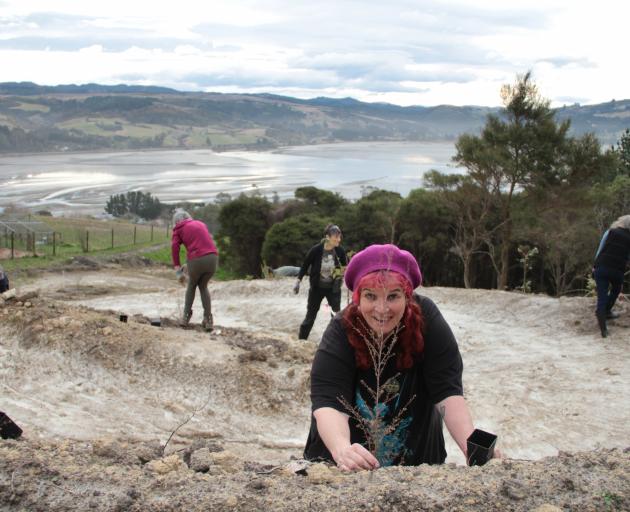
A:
[406,52]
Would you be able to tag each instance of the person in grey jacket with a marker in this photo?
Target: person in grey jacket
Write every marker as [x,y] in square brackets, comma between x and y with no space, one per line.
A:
[326,261]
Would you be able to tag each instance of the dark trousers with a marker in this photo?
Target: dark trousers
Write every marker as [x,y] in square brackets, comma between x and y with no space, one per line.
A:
[315,297]
[200,270]
[608,282]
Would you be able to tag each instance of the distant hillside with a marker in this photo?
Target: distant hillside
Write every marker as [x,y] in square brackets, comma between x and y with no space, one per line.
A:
[92,116]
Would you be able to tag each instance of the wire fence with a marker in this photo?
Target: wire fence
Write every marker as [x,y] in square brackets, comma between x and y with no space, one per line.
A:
[19,238]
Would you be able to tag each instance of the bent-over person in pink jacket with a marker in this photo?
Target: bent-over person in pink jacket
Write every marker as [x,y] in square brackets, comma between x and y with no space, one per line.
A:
[202,259]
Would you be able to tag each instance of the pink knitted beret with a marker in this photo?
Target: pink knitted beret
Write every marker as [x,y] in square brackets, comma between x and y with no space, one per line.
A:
[382,257]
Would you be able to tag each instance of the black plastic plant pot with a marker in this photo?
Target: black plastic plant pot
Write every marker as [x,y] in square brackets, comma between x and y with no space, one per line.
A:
[8,429]
[124,318]
[156,322]
[480,447]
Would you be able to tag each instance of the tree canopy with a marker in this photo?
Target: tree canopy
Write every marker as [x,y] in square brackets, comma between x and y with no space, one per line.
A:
[139,203]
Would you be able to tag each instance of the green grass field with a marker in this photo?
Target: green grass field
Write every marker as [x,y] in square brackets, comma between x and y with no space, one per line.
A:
[73,231]
[111,126]
[32,107]
[81,236]
[70,240]
[174,136]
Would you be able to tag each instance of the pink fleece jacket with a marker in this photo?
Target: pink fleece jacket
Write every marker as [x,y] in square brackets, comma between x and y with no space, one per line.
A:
[195,237]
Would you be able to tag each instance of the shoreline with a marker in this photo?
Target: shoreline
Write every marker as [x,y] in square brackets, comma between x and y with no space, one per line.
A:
[246,147]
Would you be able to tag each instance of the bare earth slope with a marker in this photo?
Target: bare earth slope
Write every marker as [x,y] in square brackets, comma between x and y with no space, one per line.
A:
[130,416]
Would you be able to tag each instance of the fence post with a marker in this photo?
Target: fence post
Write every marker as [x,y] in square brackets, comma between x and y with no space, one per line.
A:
[167,226]
[152,232]
[54,244]
[134,235]
[112,238]
[87,241]
[34,247]
[12,245]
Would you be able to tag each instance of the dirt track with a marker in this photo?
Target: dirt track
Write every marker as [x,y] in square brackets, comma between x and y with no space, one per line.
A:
[98,400]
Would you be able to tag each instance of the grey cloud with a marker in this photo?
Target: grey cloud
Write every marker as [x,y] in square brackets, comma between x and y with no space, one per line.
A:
[66,32]
[570,100]
[384,29]
[353,22]
[245,79]
[393,63]
[55,21]
[293,79]
[347,44]
[561,62]
[107,42]
[237,77]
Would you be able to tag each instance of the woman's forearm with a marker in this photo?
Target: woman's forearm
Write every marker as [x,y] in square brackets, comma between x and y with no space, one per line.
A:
[334,431]
[454,410]
[333,428]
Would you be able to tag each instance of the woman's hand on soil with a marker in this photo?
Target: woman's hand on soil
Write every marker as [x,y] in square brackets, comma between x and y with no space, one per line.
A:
[355,458]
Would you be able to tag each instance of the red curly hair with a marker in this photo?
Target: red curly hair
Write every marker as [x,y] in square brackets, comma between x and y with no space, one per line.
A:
[410,340]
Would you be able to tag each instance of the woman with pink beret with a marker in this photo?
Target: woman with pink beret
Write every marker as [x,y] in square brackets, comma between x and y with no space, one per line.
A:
[387,372]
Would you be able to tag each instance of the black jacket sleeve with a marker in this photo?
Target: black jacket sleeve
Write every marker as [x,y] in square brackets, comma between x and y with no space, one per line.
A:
[341,256]
[333,373]
[308,261]
[443,366]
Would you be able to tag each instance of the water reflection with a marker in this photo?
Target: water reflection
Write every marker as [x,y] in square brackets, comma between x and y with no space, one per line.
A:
[82,182]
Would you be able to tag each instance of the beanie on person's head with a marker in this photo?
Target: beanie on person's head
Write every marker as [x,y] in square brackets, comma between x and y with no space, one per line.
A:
[180,215]
[382,257]
[622,222]
[332,229]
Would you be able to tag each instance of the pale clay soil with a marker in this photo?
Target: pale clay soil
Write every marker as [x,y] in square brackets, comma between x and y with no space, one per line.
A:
[98,400]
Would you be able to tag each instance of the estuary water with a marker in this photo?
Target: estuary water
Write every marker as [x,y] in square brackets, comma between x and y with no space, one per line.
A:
[67,183]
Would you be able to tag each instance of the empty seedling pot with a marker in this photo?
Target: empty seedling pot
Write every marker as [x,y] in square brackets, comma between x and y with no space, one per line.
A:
[156,322]
[124,318]
[480,447]
[8,429]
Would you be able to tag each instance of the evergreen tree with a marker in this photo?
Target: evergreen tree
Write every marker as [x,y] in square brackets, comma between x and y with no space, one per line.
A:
[137,203]
[287,242]
[244,223]
[623,151]
[520,149]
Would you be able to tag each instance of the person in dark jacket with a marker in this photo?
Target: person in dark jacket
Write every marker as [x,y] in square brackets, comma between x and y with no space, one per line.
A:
[326,262]
[202,259]
[4,281]
[611,259]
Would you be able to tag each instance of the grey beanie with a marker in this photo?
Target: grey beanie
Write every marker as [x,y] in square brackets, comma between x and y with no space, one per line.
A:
[180,215]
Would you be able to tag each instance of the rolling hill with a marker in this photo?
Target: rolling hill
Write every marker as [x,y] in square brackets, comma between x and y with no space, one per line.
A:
[93,116]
